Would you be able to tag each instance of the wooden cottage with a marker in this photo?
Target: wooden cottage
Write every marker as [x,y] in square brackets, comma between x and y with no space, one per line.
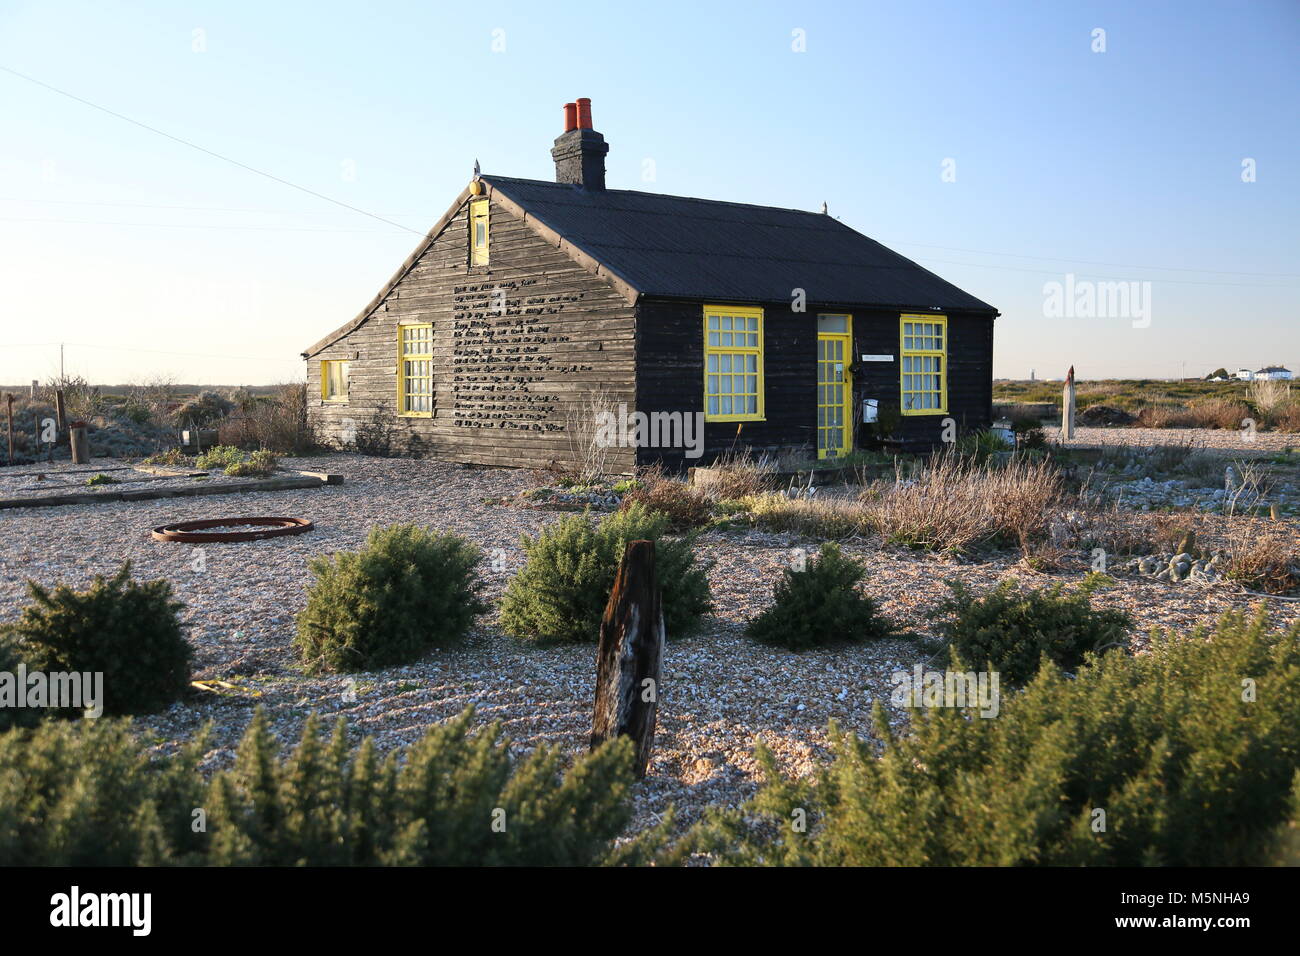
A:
[534,311]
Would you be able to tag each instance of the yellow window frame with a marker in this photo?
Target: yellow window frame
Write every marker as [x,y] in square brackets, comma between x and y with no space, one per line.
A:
[326,366]
[718,352]
[919,344]
[404,356]
[478,216]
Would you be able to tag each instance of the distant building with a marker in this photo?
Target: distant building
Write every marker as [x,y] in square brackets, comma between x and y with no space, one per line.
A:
[1245,374]
[1273,372]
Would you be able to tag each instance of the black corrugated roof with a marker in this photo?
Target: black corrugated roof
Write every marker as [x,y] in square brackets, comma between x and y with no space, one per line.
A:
[703,249]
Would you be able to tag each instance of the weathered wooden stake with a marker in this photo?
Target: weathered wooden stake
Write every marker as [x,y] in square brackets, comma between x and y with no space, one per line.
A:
[1067,406]
[80,446]
[9,403]
[629,656]
[60,415]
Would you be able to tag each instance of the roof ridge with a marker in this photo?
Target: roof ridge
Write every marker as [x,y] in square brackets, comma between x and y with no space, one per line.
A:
[641,192]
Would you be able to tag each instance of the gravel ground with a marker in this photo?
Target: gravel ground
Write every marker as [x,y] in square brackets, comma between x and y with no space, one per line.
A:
[65,478]
[721,693]
[1262,443]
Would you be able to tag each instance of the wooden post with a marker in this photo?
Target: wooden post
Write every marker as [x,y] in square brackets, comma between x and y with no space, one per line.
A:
[629,656]
[77,440]
[9,402]
[60,414]
[1067,406]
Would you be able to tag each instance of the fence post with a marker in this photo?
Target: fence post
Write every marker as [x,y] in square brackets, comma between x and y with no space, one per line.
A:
[1067,406]
[77,440]
[629,656]
[9,403]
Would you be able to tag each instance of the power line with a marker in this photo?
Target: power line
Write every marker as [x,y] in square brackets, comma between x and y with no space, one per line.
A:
[124,348]
[202,149]
[196,225]
[1117,265]
[1055,272]
[142,205]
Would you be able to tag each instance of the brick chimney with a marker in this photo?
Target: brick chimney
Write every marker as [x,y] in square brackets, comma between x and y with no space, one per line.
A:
[579,152]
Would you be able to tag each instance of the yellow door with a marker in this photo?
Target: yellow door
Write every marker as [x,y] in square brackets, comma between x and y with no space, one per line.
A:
[834,386]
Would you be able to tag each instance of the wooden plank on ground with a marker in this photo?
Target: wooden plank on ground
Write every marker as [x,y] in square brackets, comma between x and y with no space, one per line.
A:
[148,494]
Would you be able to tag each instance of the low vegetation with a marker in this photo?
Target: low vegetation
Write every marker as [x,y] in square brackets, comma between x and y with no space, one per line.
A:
[88,794]
[561,592]
[127,631]
[1012,629]
[408,590]
[820,605]
[1165,758]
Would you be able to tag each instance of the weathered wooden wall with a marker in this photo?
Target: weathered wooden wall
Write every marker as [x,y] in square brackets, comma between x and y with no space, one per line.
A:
[670,370]
[509,387]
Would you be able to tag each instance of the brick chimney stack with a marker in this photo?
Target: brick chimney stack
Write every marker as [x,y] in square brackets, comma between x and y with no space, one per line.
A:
[579,152]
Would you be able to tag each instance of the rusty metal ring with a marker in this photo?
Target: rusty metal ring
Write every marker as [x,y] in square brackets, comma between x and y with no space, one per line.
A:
[194,532]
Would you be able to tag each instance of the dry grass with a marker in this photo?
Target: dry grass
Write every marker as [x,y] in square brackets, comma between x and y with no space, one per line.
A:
[1268,395]
[951,506]
[1263,557]
[686,507]
[830,518]
[589,452]
[955,504]
[738,474]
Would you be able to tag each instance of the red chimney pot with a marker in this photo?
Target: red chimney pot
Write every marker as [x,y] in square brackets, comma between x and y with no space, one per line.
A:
[584,112]
[570,116]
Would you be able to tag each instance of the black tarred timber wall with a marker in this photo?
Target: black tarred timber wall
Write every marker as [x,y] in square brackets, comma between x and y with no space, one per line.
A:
[507,384]
[670,375]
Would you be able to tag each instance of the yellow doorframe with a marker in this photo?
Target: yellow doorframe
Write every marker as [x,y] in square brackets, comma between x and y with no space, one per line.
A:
[827,358]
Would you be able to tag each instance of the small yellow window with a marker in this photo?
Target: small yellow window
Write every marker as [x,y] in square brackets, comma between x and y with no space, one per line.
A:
[925,364]
[415,370]
[334,381]
[733,364]
[478,232]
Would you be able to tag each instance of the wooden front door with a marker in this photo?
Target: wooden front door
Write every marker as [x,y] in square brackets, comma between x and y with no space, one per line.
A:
[834,386]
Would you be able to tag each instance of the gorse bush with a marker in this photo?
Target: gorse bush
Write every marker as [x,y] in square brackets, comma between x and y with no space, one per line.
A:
[10,659]
[560,594]
[219,456]
[125,630]
[406,591]
[259,464]
[85,793]
[820,605]
[1189,769]
[1010,629]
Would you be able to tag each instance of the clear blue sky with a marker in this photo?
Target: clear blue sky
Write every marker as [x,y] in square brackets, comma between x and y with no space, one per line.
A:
[1123,164]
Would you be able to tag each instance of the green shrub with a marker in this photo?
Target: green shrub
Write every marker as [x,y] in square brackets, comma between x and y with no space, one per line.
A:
[1189,769]
[820,605]
[219,456]
[560,594]
[86,793]
[10,658]
[102,479]
[406,591]
[1011,629]
[260,464]
[127,631]
[172,456]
